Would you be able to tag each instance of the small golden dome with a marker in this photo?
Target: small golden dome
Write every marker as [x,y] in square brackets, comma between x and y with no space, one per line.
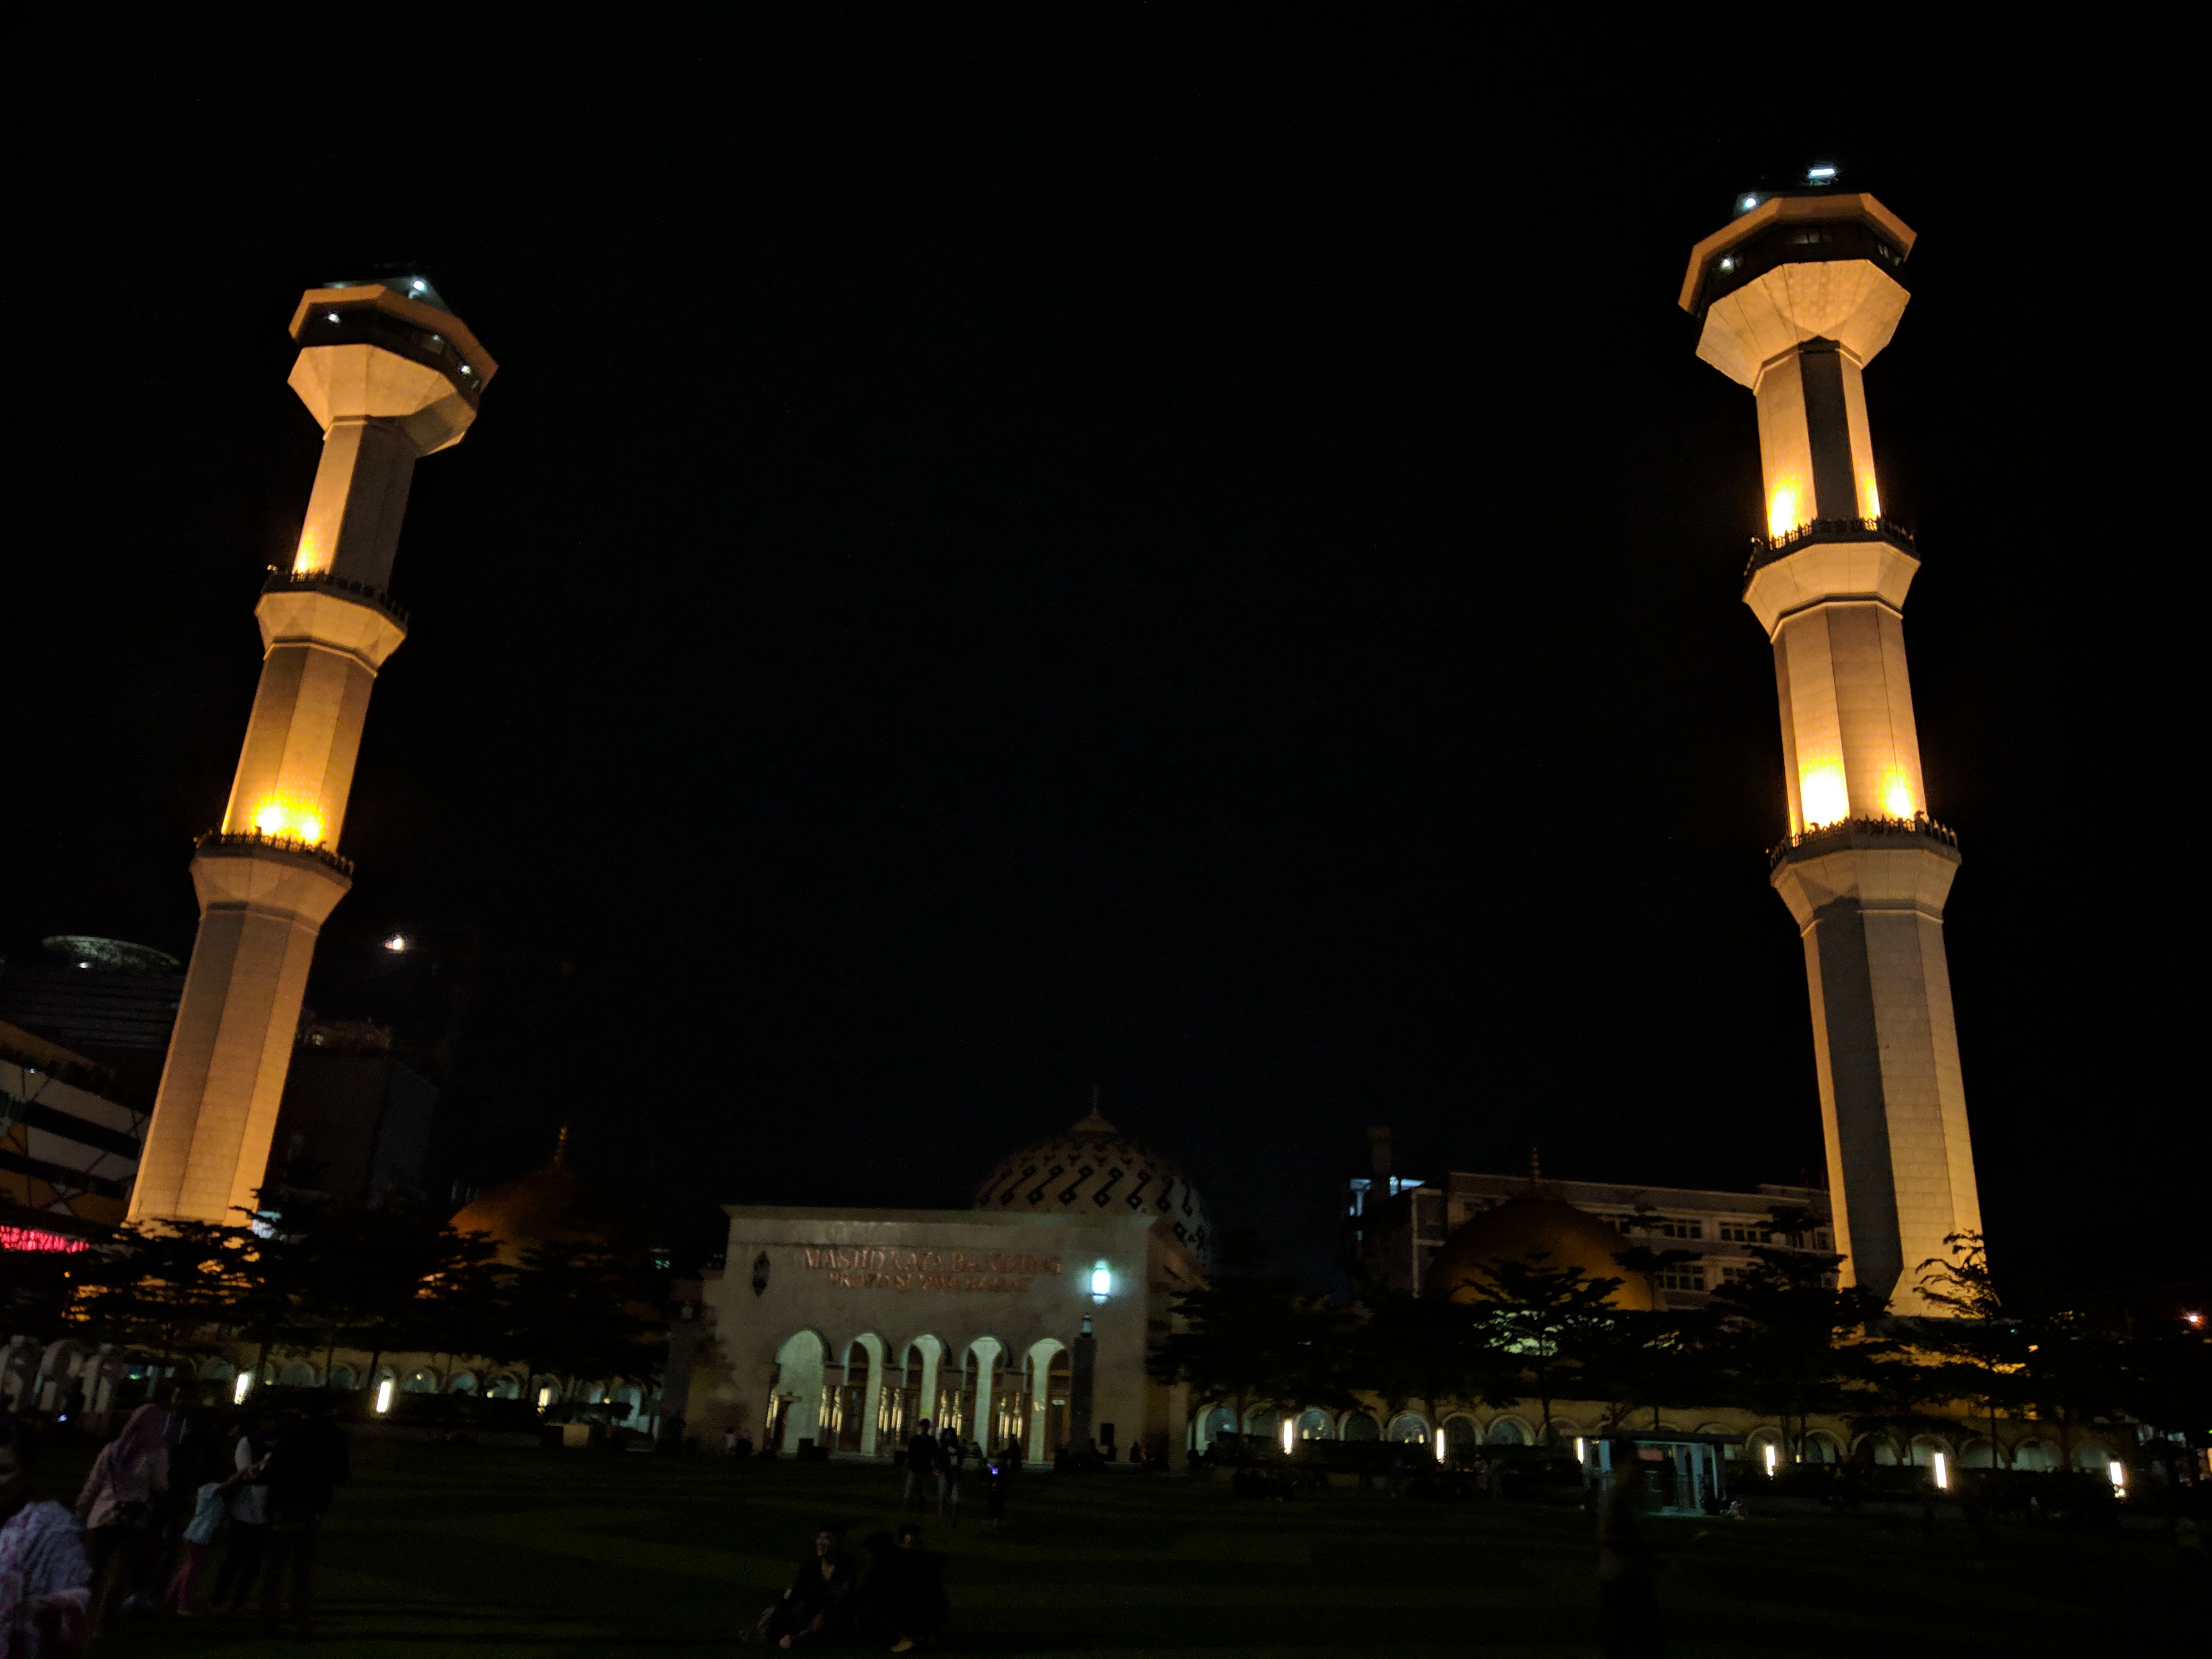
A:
[1544,1232]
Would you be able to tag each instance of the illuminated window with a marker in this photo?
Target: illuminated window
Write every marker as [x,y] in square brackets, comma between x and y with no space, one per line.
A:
[1743,1232]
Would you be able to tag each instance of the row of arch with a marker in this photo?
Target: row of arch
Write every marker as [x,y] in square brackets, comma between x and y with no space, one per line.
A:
[544,1389]
[867,1396]
[1463,1432]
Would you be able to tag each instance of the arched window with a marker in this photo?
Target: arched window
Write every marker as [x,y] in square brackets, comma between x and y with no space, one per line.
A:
[1408,1428]
[217,1371]
[1921,1454]
[463,1382]
[504,1386]
[1821,1447]
[297,1376]
[2092,1458]
[795,1407]
[1507,1432]
[1360,1426]
[1314,1426]
[2039,1455]
[1461,1436]
[631,1400]
[1219,1421]
[420,1382]
[344,1378]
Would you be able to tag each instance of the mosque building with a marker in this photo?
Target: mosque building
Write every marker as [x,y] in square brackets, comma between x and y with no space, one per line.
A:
[1026,1318]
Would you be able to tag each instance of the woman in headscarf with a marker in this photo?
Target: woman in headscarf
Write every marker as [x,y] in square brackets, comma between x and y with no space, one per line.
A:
[46,1585]
[117,1508]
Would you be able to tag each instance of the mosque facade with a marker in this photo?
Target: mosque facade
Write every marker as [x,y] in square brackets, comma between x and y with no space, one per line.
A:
[1026,1318]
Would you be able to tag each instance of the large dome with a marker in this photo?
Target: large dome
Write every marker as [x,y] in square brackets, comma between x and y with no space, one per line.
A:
[1543,1232]
[1091,1169]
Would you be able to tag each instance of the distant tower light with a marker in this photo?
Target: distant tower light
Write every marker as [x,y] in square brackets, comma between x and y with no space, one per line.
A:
[398,942]
[333,316]
[1820,175]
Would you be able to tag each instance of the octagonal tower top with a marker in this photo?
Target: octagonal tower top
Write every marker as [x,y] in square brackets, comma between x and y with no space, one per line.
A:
[1792,267]
[389,349]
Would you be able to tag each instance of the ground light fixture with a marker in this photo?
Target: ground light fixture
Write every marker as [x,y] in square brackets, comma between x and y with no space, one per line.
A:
[544,1397]
[1439,1444]
[1942,1474]
[2118,1472]
[1766,1453]
[384,1396]
[1290,1437]
[1582,1451]
[241,1387]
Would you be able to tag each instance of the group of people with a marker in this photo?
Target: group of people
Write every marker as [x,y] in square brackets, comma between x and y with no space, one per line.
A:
[937,1461]
[148,1515]
[900,1601]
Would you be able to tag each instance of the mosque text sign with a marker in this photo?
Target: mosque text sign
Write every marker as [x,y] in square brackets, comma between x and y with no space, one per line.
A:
[864,1269]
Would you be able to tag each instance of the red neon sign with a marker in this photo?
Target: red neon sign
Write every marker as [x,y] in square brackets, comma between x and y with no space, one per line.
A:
[35,1238]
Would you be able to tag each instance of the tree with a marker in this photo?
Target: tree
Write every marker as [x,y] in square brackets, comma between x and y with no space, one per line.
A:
[1983,1350]
[161,1293]
[1252,1341]
[1541,1317]
[1790,1340]
[577,1309]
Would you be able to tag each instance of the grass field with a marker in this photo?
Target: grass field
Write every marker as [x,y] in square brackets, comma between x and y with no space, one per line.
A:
[438,1550]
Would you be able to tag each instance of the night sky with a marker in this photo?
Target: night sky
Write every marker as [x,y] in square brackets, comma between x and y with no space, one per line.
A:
[1206,567]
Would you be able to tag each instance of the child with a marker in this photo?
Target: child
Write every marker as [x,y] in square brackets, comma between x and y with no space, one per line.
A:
[199,1533]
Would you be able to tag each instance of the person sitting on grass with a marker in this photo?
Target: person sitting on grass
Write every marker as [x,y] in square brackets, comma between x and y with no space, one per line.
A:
[818,1609]
[903,1598]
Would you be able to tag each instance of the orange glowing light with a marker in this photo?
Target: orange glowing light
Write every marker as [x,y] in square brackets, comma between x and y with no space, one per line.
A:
[1822,797]
[1782,511]
[283,819]
[1898,797]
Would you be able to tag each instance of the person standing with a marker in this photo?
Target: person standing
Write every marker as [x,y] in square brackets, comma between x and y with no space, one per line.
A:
[920,1463]
[249,1514]
[117,1508]
[951,1454]
[305,1467]
[198,1534]
[45,1582]
[1000,1474]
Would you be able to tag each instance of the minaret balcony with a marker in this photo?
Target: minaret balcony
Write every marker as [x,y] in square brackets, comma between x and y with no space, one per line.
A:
[281,581]
[1764,551]
[249,841]
[1883,834]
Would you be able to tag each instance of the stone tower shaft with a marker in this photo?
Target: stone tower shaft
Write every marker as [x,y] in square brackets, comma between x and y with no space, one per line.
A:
[391,376]
[1794,298]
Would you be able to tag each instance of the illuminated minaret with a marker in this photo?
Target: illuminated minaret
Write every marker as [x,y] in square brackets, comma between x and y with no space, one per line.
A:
[391,376]
[1794,298]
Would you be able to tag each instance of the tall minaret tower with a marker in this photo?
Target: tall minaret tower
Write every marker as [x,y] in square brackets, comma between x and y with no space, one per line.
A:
[391,375]
[1794,298]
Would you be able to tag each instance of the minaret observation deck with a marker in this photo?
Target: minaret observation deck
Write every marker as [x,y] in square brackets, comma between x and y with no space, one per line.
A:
[1794,298]
[391,376]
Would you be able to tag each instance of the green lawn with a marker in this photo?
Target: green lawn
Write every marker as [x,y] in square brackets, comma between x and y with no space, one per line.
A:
[436,1550]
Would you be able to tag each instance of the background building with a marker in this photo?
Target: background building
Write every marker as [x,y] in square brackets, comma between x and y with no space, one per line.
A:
[68,1150]
[1398,1226]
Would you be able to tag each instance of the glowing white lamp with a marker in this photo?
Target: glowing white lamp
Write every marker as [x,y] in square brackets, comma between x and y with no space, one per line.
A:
[1101,1282]
[1290,1437]
[384,1396]
[1440,1445]
[2119,1473]
[545,1396]
[1942,1474]
[1767,1454]
[1581,1449]
[241,1387]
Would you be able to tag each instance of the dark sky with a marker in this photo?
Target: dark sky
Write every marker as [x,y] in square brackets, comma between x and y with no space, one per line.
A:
[1205,567]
